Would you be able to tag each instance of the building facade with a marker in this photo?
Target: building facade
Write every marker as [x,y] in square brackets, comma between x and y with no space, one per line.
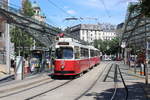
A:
[91,32]
[38,15]
[2,41]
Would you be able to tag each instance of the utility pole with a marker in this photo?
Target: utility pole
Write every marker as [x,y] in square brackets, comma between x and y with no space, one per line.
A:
[7,39]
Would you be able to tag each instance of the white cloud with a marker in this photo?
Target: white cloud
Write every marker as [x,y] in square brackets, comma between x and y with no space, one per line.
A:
[72,12]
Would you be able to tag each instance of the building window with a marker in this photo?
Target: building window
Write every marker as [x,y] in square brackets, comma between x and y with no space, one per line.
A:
[82,32]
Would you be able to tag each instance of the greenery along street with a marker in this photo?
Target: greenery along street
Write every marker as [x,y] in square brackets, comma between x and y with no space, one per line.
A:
[108,46]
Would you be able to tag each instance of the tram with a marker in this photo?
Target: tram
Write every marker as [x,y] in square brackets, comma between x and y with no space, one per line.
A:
[73,58]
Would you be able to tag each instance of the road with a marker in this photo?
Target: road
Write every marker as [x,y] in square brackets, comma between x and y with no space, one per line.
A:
[96,84]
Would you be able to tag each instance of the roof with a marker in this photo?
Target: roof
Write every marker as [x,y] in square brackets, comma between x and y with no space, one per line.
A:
[35,5]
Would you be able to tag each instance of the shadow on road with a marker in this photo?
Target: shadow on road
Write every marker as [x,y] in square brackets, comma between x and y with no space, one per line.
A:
[136,92]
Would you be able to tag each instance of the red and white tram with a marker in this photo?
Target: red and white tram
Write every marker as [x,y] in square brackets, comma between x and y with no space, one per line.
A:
[73,58]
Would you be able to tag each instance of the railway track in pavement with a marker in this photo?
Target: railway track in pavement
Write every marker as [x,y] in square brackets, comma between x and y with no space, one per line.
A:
[14,91]
[100,77]
[126,90]
[35,96]
[43,88]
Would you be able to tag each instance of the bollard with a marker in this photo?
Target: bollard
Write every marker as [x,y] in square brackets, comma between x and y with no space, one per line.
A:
[19,68]
[142,69]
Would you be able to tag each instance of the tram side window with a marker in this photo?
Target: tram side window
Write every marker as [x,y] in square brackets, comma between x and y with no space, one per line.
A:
[77,53]
[95,53]
[84,53]
[92,53]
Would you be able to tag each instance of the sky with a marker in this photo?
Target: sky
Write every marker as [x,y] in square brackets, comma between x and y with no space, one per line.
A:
[105,11]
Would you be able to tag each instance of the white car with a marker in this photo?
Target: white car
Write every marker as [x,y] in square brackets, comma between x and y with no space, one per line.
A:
[107,59]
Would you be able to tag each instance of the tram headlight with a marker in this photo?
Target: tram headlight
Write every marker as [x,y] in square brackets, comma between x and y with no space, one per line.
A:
[62,67]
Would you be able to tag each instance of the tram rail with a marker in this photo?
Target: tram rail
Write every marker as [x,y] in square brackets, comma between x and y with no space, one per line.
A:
[29,98]
[100,76]
[116,82]
[26,86]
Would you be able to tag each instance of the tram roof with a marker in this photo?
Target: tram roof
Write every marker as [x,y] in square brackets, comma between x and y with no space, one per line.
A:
[76,43]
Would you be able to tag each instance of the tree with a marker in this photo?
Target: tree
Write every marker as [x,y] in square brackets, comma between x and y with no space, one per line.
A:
[143,7]
[27,8]
[108,46]
[21,40]
[19,37]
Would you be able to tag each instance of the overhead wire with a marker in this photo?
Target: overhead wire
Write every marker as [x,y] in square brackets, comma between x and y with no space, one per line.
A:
[106,10]
[49,20]
[10,4]
[61,9]
[52,3]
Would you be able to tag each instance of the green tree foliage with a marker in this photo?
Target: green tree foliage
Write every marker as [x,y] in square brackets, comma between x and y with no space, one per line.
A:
[143,7]
[27,8]
[22,41]
[108,46]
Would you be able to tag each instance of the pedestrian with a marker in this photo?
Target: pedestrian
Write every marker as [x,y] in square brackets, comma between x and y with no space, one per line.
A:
[13,65]
[32,64]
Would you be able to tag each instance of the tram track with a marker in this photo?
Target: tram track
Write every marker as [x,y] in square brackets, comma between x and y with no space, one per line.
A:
[53,87]
[93,84]
[23,90]
[49,90]
[36,86]
[35,96]
[116,86]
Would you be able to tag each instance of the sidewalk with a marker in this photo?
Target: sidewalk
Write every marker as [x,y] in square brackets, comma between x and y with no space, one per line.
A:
[141,79]
[3,71]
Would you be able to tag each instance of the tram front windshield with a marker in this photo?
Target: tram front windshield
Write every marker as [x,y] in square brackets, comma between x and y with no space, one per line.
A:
[64,53]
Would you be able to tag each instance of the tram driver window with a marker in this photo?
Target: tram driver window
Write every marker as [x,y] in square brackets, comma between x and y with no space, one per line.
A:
[64,53]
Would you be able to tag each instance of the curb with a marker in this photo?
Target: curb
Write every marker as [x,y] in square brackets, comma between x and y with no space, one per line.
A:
[6,77]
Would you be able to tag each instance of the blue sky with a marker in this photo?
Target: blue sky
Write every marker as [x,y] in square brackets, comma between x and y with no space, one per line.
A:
[106,11]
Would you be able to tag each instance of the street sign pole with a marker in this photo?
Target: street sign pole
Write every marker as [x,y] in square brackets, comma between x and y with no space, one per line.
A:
[146,64]
[146,55]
